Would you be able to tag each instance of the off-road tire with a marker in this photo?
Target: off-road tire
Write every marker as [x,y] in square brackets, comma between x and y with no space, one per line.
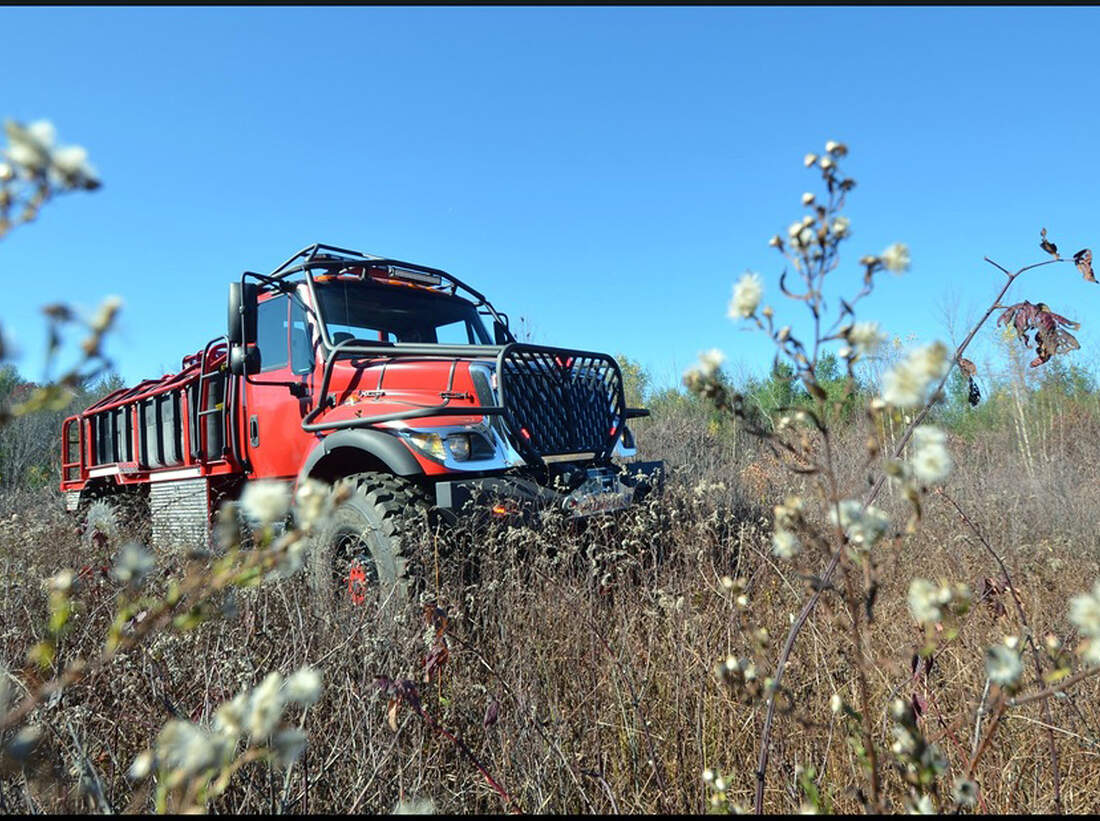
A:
[386,523]
[100,527]
[109,521]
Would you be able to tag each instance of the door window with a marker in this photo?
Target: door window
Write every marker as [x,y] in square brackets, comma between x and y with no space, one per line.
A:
[271,335]
[301,346]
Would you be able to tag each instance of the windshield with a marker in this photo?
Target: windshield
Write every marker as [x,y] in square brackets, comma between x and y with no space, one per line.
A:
[392,313]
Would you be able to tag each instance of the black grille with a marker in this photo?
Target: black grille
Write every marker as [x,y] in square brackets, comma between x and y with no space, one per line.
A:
[560,401]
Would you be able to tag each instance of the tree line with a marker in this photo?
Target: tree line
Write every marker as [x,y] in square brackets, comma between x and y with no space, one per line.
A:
[30,444]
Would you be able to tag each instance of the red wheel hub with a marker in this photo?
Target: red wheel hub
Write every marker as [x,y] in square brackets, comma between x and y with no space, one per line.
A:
[357,583]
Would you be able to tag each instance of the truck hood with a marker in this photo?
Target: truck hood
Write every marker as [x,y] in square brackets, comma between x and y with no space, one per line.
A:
[362,388]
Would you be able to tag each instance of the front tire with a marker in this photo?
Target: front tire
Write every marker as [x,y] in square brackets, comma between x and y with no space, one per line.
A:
[367,552]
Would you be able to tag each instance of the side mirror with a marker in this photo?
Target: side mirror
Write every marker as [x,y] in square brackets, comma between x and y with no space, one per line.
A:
[242,313]
[501,334]
[243,360]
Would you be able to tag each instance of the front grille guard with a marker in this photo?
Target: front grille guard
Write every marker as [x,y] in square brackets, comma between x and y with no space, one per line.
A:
[554,401]
[559,402]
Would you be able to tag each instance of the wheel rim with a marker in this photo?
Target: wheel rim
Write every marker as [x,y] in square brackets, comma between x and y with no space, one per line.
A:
[354,571]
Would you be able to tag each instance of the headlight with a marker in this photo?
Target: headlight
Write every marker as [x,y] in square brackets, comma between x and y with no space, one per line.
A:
[459,445]
[429,444]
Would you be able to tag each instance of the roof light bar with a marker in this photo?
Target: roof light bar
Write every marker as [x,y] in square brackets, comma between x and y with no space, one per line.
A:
[409,275]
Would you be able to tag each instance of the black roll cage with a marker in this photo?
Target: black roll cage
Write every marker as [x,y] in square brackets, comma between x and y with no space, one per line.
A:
[329,258]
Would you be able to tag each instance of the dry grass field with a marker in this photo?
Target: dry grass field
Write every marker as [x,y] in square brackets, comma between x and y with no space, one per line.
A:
[580,673]
[621,664]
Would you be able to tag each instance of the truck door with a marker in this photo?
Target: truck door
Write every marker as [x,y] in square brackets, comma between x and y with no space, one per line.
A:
[272,423]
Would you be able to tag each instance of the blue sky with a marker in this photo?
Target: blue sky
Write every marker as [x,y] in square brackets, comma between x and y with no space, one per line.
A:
[605,172]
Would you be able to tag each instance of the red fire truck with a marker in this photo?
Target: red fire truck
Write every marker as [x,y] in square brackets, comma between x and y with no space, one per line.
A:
[340,365]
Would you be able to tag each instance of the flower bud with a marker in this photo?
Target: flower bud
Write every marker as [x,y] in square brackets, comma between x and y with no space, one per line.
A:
[62,582]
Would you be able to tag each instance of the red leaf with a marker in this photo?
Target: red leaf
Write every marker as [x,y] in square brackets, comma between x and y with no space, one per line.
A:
[1050,339]
[492,712]
[1083,260]
[436,617]
[436,658]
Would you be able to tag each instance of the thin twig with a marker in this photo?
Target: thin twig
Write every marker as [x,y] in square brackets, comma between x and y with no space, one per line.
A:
[826,575]
[1028,637]
[91,776]
[535,724]
[1056,688]
[405,692]
[978,719]
[435,725]
[998,711]
[658,770]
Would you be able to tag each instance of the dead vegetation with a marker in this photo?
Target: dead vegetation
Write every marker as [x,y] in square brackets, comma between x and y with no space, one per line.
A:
[578,672]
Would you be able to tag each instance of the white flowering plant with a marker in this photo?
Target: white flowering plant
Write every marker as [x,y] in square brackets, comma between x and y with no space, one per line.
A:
[33,169]
[190,763]
[194,764]
[850,541]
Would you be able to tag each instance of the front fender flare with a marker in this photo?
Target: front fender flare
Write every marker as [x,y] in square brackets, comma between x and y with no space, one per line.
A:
[384,447]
